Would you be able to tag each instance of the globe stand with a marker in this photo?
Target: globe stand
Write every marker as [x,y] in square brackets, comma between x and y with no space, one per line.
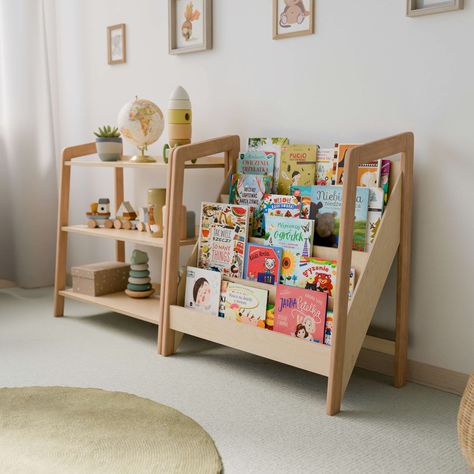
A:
[142,158]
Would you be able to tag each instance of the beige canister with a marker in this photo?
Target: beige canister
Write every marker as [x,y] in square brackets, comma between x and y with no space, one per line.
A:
[156,201]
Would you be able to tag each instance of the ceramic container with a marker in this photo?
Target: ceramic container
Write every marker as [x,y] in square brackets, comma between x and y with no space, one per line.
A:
[109,148]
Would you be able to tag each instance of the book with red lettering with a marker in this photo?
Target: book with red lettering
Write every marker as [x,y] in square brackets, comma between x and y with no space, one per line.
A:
[262,263]
[300,313]
[297,167]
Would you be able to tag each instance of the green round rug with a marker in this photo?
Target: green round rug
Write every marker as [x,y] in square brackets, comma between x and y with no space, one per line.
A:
[84,430]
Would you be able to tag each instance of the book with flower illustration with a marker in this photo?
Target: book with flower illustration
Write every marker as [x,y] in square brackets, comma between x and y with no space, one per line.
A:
[246,304]
[324,166]
[223,235]
[272,145]
[297,167]
[202,290]
[295,236]
[262,263]
[256,162]
[318,274]
[300,313]
[249,190]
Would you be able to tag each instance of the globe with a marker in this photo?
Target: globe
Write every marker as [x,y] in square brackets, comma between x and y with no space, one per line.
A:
[141,122]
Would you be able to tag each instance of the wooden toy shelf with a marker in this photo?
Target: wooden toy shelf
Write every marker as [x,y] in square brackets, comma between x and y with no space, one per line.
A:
[351,318]
[79,156]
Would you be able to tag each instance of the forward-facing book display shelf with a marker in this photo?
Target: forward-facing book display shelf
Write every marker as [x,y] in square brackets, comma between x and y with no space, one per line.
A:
[351,317]
[79,156]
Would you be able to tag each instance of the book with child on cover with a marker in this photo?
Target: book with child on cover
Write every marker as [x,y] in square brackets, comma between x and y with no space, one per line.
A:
[202,290]
[297,167]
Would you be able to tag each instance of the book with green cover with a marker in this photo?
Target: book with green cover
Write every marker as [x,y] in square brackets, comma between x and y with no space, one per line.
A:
[256,163]
[297,167]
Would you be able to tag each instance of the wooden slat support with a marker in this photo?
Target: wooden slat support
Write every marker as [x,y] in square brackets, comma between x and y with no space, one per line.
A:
[119,197]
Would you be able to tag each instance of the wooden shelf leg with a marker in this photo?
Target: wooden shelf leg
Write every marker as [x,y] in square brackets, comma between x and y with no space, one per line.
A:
[119,196]
[403,270]
[61,239]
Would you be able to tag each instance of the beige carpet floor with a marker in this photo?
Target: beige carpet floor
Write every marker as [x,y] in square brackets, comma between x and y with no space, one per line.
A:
[264,417]
[83,430]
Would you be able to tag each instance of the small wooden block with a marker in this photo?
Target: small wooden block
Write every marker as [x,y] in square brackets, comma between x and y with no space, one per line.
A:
[139,294]
[91,224]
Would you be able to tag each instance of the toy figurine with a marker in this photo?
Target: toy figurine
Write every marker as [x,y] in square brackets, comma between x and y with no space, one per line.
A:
[99,214]
[126,217]
[179,121]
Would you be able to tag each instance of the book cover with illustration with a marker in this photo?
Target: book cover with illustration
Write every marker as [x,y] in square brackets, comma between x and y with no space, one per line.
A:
[202,290]
[295,236]
[324,166]
[297,167]
[318,274]
[272,145]
[368,174]
[256,162]
[222,298]
[303,195]
[262,263]
[374,215]
[281,205]
[300,313]
[249,190]
[223,235]
[328,328]
[342,150]
[385,178]
[326,202]
[246,304]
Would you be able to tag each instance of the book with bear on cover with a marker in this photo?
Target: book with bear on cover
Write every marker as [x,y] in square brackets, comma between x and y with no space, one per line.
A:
[256,162]
[300,313]
[223,235]
[262,263]
[297,167]
[249,190]
[295,236]
[272,145]
[246,304]
[202,290]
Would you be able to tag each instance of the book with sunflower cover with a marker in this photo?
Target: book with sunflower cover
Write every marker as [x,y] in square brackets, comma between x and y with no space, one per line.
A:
[223,235]
[297,167]
[295,236]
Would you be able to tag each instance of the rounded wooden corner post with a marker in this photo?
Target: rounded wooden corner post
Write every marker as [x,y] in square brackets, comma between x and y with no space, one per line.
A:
[341,301]
[404,264]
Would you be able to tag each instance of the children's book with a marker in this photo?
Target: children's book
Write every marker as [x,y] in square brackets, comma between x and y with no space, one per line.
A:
[273,145]
[324,166]
[270,317]
[222,238]
[202,290]
[385,178]
[249,190]
[222,298]
[368,174]
[297,167]
[256,162]
[262,263]
[374,215]
[281,205]
[303,195]
[300,313]
[318,274]
[328,328]
[246,304]
[328,202]
[342,150]
[295,236]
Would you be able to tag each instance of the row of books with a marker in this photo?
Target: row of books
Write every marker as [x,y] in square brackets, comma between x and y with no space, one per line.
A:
[297,312]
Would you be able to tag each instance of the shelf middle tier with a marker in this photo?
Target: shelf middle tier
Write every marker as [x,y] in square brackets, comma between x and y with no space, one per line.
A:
[142,238]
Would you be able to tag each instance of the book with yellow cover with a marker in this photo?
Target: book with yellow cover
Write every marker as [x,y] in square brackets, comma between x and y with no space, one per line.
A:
[297,167]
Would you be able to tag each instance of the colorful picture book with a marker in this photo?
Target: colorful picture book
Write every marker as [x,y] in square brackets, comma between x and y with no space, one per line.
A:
[281,205]
[324,166]
[246,304]
[297,167]
[374,215]
[202,290]
[295,236]
[249,190]
[222,238]
[256,162]
[342,150]
[328,328]
[262,263]
[300,313]
[385,178]
[368,174]
[222,298]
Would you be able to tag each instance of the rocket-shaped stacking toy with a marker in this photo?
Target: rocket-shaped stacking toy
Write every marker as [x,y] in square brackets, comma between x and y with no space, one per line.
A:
[179,120]
[139,282]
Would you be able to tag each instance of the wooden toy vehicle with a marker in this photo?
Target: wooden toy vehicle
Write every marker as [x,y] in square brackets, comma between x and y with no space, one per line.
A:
[99,214]
[126,217]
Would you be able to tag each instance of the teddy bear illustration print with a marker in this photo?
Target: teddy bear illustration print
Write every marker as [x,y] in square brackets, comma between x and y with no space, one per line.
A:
[294,16]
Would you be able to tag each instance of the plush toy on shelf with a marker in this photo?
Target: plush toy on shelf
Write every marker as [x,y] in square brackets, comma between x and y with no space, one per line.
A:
[99,214]
[139,281]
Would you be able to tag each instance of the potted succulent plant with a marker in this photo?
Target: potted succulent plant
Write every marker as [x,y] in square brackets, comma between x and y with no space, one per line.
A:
[109,143]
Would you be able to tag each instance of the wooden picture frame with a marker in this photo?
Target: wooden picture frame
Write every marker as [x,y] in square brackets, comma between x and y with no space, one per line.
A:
[413,8]
[294,27]
[116,44]
[189,21]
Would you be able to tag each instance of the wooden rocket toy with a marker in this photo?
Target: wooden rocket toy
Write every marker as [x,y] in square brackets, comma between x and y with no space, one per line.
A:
[179,120]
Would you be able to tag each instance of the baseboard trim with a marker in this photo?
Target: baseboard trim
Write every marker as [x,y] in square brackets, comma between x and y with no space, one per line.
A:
[418,372]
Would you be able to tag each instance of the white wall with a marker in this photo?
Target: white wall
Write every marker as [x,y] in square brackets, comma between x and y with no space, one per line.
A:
[367,73]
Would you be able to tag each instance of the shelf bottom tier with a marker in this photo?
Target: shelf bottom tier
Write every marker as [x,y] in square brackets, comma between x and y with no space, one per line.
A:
[146,309]
[262,342]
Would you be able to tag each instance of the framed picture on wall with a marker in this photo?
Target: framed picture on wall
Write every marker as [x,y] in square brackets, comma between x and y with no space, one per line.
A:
[428,7]
[293,18]
[190,26]
[116,44]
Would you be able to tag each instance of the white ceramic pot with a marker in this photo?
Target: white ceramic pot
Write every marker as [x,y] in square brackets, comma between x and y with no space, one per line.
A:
[109,149]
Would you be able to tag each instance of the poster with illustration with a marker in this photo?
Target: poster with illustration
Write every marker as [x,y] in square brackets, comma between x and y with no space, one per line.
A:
[293,18]
[203,289]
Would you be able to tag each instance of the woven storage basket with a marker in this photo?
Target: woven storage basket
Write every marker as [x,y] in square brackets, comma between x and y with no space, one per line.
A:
[466,422]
